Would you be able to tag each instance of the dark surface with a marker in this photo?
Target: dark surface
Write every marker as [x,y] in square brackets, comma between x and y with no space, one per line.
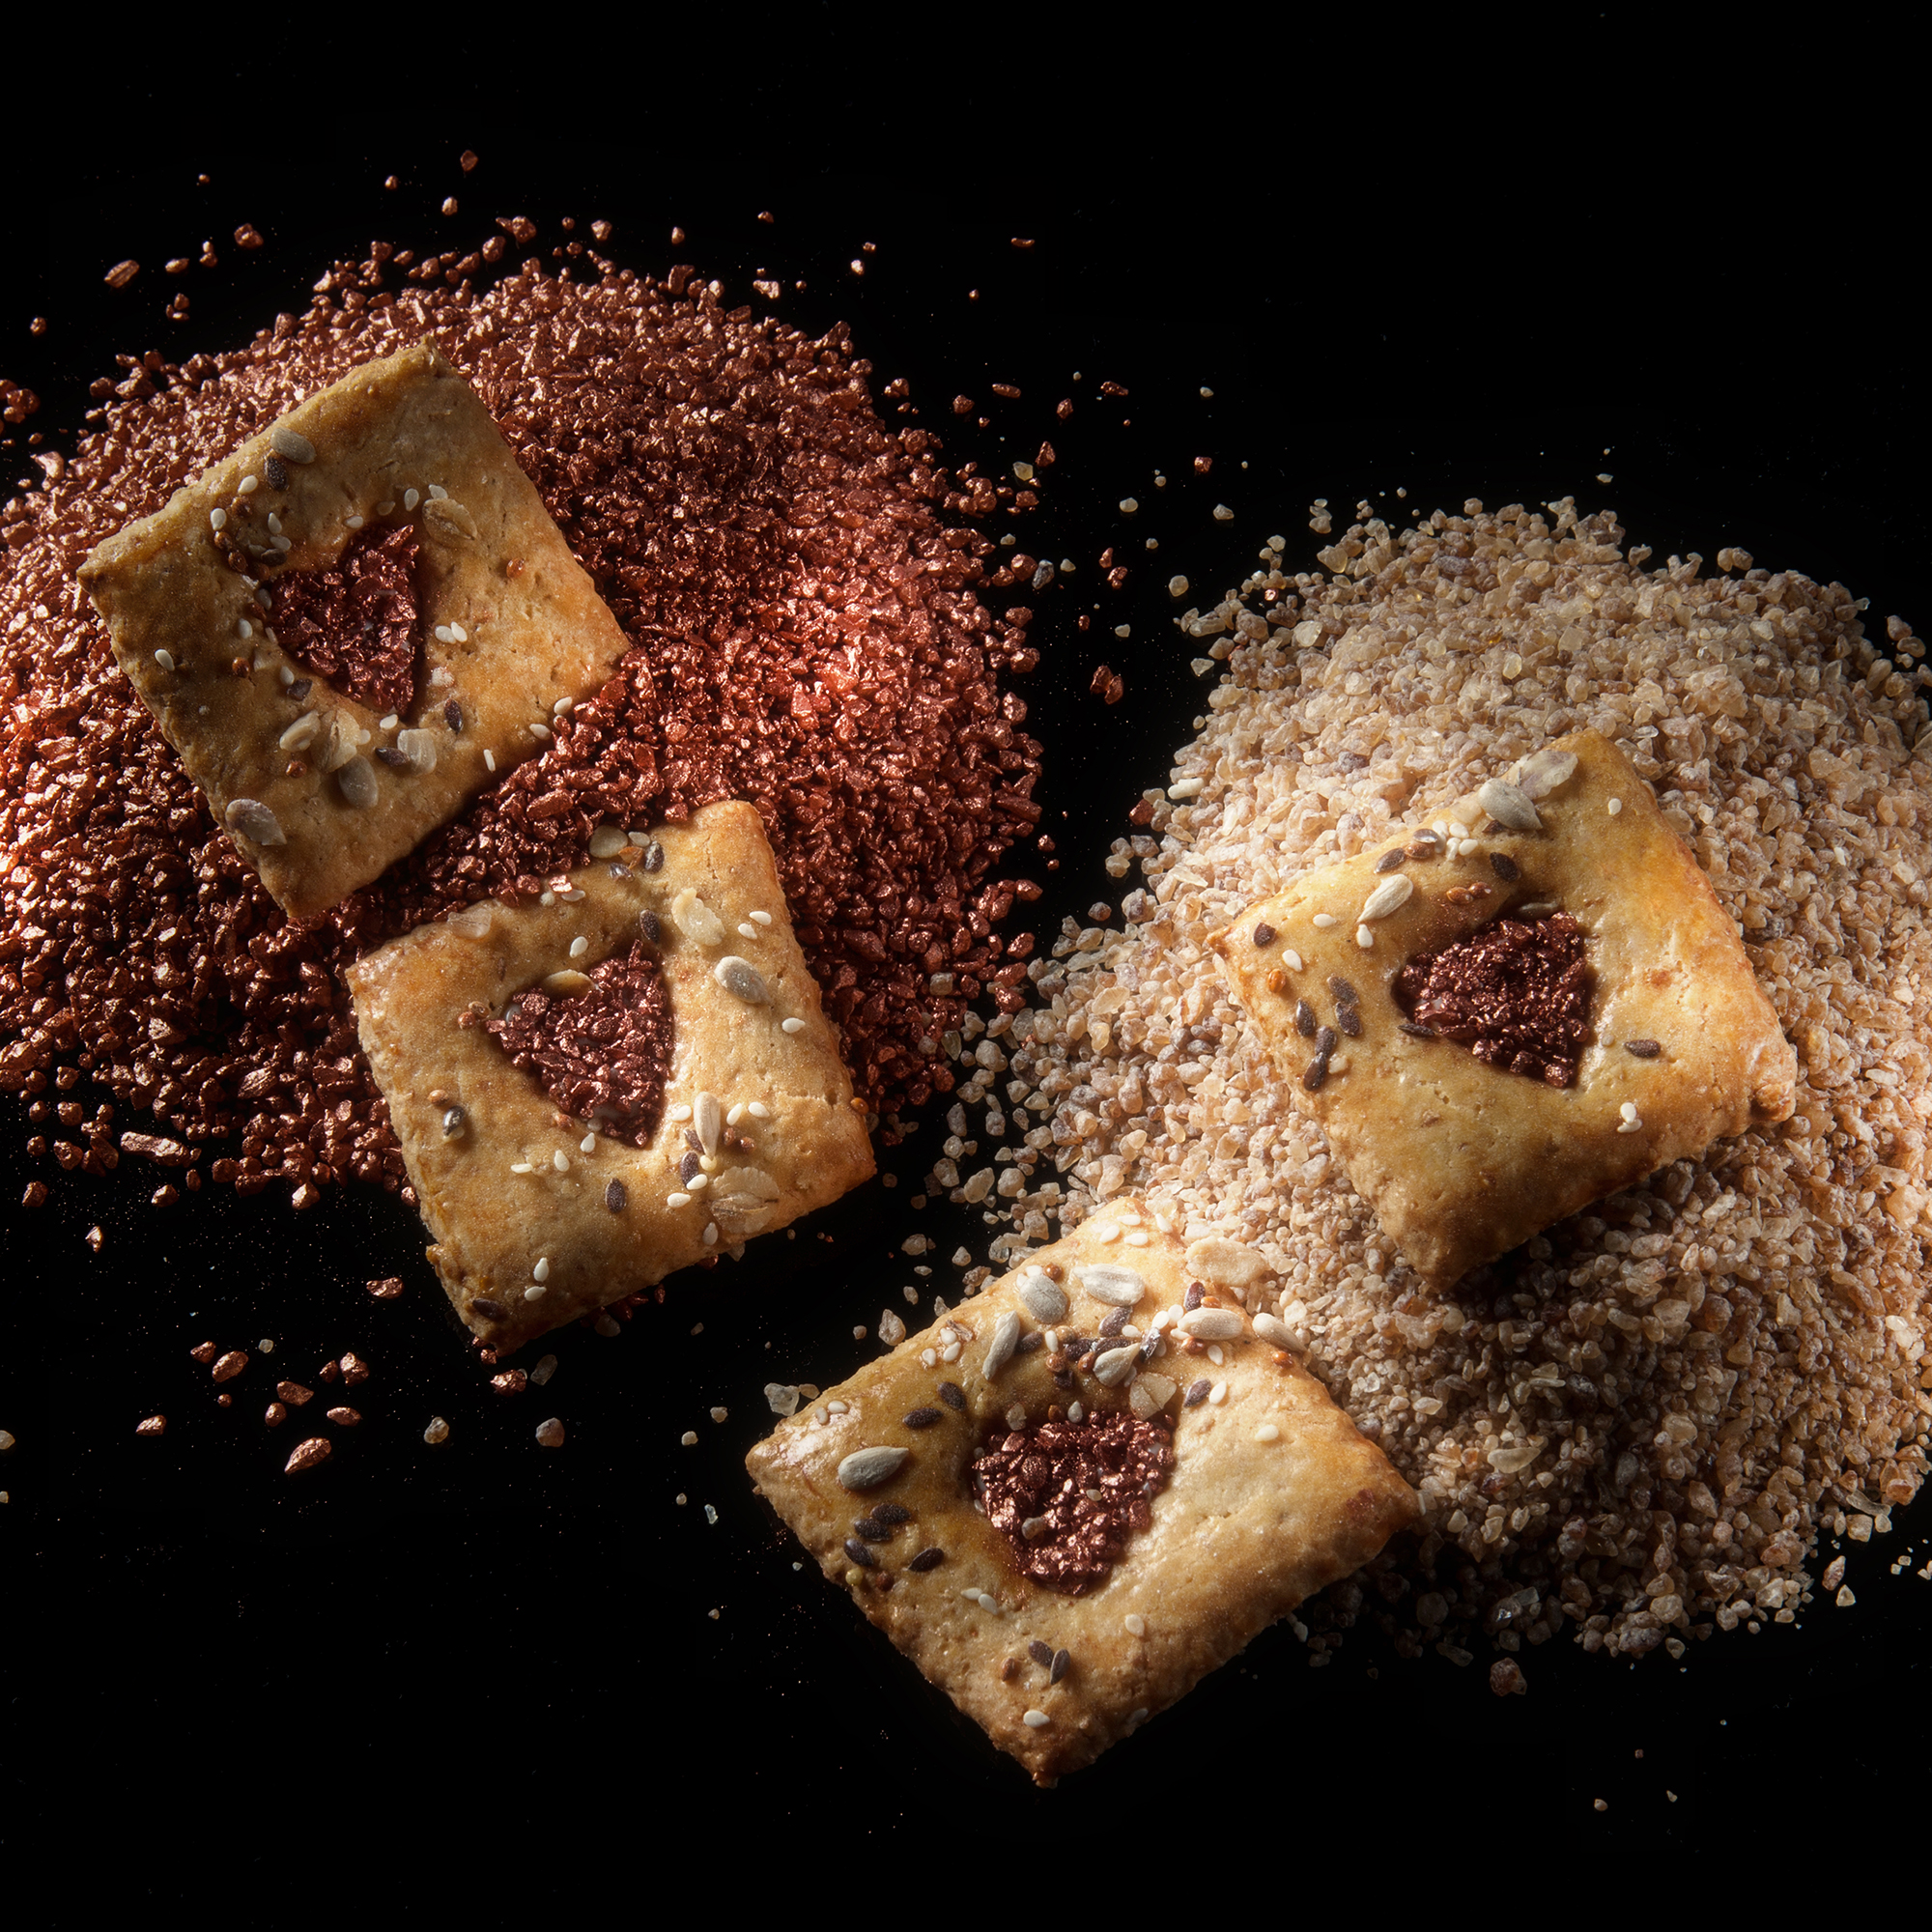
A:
[489,1654]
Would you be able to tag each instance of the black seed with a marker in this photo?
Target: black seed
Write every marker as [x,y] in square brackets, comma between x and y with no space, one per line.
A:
[1504,867]
[301,688]
[1264,934]
[891,1515]
[927,1559]
[952,1395]
[1031,1344]
[653,926]
[1344,994]
[1196,1293]
[1316,1076]
[273,474]
[1041,1654]
[1113,1323]
[1419,1032]
[1197,1394]
[1390,860]
[1063,1663]
[1325,1042]
[1304,1019]
[1644,1049]
[692,1140]
[690,1167]
[1350,1020]
[389,754]
[1062,1378]
[617,1197]
[860,1554]
[490,1311]
[921,1418]
[452,716]
[654,856]
[869,1527]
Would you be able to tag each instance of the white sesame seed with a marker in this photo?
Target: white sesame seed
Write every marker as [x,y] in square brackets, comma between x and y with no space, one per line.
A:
[244,629]
[677,1200]
[1218,1393]
[286,675]
[1628,1110]
[1466,848]
[792,1026]
[459,634]
[761,919]
[165,660]
[588,1145]
[746,931]
[951,1353]
[410,498]
[248,485]
[1185,788]
[562,708]
[541,730]
[536,1291]
[353,522]
[390,722]
[758,1111]
[711,1233]
[1138,1238]
[736,1115]
[490,759]
[522,1167]
[578,946]
[216,518]
[1136,1624]
[1365,937]
[1267,1432]
[560,1161]
[541,1272]
[274,525]
[1325,919]
[680,1112]
[442,635]
[1035,1721]
[699,1183]
[1630,1127]
[1291,958]
[1613,806]
[440,494]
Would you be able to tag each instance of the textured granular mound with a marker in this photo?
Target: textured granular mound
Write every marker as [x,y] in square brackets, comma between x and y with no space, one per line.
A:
[355,623]
[1634,1426]
[601,1052]
[808,636]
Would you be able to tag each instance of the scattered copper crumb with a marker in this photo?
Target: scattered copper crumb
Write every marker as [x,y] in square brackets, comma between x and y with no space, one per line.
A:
[247,236]
[306,1454]
[354,1370]
[1107,685]
[467,160]
[328,1372]
[121,274]
[388,1289]
[512,1382]
[1202,464]
[154,1425]
[227,1367]
[205,1353]
[344,1417]
[294,1394]
[275,1414]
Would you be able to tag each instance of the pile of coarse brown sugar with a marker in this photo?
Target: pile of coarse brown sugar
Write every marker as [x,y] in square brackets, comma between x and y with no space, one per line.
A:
[807,635]
[1637,1425]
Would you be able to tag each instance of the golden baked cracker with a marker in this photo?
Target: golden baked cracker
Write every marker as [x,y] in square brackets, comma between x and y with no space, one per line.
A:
[318,792]
[1271,1493]
[1463,1160]
[507,1183]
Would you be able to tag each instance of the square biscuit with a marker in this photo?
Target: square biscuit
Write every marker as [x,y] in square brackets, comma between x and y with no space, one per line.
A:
[316,790]
[1463,1160]
[1270,1493]
[511,1185]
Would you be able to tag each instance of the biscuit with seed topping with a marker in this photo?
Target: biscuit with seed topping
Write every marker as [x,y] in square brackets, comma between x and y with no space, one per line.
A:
[502,624]
[1463,1159]
[1269,1492]
[507,1182]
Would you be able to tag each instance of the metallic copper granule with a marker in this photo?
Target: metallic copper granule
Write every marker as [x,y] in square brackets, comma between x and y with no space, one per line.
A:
[355,623]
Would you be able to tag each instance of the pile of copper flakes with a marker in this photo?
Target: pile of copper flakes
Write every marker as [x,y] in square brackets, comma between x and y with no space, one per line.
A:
[807,635]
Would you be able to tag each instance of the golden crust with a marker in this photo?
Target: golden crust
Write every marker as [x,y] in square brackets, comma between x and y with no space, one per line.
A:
[492,1224]
[1463,1162]
[1243,1531]
[406,422]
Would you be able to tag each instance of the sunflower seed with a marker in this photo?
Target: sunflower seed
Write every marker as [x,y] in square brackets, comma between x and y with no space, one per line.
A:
[1387,896]
[1509,805]
[1044,1300]
[1105,1281]
[1212,1324]
[1115,1367]
[255,822]
[290,446]
[868,1468]
[1000,1351]
[742,978]
[357,781]
[1543,773]
[1271,1329]
[708,1118]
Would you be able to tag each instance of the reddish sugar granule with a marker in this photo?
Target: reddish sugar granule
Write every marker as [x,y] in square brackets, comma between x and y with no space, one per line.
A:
[808,636]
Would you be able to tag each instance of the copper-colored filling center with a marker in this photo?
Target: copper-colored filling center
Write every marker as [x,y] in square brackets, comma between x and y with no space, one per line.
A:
[1067,1495]
[1516,994]
[601,1054]
[355,623]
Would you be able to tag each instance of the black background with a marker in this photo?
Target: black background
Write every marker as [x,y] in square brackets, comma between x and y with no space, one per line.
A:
[1398,259]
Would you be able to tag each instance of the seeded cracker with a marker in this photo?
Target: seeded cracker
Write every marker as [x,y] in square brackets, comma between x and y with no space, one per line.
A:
[499,621]
[512,1197]
[1060,1634]
[1465,1157]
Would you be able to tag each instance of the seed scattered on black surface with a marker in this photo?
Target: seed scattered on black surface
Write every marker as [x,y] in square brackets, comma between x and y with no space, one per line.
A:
[952,1395]
[921,1418]
[1644,1049]
[927,1559]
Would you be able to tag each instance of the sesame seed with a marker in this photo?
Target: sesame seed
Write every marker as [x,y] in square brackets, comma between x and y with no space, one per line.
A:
[1269,1432]
[490,759]
[536,1291]
[522,1167]
[681,1112]
[560,1161]
[1613,806]
[165,660]
[678,1200]
[1218,1393]
[1035,1721]
[541,1272]
[352,523]
[1136,1624]
[249,486]
[1325,919]
[410,498]
[578,946]
[792,1026]
[217,518]
[761,919]
[758,1111]
[711,1233]
[1365,937]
